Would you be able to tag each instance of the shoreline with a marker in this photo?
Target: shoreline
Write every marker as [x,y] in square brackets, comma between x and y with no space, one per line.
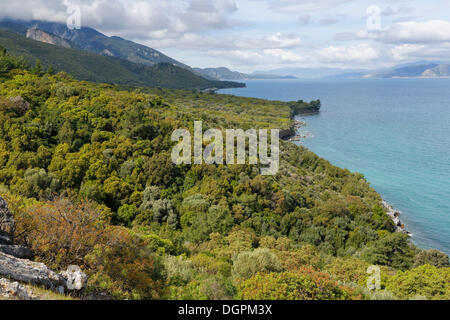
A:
[395,214]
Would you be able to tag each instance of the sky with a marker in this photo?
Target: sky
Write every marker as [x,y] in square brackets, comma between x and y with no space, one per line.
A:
[249,35]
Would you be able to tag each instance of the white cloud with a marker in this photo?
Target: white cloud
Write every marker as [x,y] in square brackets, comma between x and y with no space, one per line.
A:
[297,7]
[352,53]
[405,51]
[131,18]
[283,56]
[241,42]
[416,32]
[264,57]
[404,32]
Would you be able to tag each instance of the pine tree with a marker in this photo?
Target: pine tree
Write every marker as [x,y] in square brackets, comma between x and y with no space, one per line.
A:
[38,70]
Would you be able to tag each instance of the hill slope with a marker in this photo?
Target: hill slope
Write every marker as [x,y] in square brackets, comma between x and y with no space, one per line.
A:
[89,39]
[92,67]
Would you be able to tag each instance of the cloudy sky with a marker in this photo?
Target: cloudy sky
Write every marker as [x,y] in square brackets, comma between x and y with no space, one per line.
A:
[248,35]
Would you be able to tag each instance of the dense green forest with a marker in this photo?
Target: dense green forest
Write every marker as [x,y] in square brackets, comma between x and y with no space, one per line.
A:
[92,67]
[87,173]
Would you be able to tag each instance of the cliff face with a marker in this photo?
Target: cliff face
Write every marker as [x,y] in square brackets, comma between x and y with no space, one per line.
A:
[42,36]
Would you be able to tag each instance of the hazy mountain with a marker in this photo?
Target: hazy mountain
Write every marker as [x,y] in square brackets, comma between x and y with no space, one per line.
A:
[307,73]
[419,69]
[428,70]
[93,67]
[223,73]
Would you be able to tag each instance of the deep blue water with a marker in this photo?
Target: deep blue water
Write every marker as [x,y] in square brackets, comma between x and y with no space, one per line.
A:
[394,131]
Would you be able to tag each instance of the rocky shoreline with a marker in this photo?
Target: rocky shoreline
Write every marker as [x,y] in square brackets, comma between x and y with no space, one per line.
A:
[395,214]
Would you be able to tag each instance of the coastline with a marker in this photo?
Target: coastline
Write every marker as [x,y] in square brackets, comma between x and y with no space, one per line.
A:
[293,135]
[395,214]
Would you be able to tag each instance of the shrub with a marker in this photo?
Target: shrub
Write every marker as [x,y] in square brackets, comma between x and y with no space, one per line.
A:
[431,257]
[249,263]
[179,270]
[126,214]
[61,233]
[348,270]
[208,288]
[126,268]
[307,284]
[393,250]
[426,281]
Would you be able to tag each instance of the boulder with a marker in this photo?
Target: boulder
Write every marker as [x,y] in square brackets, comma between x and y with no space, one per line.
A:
[14,291]
[16,251]
[6,224]
[29,272]
[75,279]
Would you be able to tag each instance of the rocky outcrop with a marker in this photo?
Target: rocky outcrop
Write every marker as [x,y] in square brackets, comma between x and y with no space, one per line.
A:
[14,291]
[29,272]
[42,36]
[7,228]
[6,224]
[395,216]
[16,251]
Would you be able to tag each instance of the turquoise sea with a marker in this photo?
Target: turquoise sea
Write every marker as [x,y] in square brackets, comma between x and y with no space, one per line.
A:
[394,131]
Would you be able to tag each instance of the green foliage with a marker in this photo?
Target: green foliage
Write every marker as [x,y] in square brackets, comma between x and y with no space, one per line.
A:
[392,250]
[9,62]
[426,281]
[305,285]
[111,148]
[126,214]
[248,264]
[431,257]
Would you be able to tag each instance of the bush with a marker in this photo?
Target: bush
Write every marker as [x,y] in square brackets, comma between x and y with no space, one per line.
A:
[431,257]
[61,233]
[208,288]
[126,269]
[126,214]
[393,250]
[247,264]
[306,284]
[426,281]
[179,270]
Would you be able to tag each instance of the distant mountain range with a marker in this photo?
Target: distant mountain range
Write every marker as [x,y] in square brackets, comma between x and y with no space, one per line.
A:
[223,73]
[420,69]
[89,55]
[427,70]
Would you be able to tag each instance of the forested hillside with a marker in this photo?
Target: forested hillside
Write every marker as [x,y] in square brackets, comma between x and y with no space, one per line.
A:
[87,173]
[92,67]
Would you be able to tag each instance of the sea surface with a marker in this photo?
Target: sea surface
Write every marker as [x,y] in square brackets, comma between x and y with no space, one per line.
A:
[394,131]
